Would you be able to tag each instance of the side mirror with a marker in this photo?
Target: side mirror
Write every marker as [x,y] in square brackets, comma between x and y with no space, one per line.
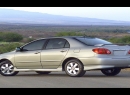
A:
[18,49]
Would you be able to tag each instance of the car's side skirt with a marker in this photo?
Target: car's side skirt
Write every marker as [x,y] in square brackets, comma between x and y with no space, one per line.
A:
[24,70]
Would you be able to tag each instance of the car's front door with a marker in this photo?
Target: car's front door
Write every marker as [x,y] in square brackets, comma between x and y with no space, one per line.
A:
[54,53]
[29,56]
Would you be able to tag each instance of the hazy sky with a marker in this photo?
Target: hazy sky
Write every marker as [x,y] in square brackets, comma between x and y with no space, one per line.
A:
[110,13]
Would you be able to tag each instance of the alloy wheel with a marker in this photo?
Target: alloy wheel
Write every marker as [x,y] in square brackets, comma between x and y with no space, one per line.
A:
[73,68]
[7,68]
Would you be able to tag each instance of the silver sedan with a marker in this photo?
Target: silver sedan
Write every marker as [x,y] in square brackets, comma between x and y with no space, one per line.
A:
[75,55]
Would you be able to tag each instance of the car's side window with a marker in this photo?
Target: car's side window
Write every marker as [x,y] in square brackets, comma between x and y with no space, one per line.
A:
[36,45]
[56,43]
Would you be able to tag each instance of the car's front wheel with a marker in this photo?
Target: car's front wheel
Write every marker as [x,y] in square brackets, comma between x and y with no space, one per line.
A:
[7,69]
[74,68]
[111,72]
[42,72]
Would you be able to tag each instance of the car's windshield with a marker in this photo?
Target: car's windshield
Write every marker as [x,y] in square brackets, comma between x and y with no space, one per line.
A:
[92,41]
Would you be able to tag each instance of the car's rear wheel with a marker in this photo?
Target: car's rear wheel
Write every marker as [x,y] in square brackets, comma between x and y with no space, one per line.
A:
[7,69]
[111,72]
[74,68]
[42,72]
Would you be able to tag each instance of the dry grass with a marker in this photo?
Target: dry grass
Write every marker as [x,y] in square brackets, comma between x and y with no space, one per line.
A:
[127,69]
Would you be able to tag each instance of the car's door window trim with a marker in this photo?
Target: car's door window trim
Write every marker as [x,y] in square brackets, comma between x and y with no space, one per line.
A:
[33,42]
[56,48]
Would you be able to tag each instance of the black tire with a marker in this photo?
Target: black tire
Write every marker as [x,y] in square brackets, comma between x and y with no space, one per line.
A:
[7,69]
[43,72]
[111,72]
[74,66]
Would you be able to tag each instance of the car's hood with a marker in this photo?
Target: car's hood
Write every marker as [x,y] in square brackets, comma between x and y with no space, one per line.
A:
[7,54]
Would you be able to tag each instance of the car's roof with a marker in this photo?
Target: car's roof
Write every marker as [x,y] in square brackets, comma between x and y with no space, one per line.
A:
[69,37]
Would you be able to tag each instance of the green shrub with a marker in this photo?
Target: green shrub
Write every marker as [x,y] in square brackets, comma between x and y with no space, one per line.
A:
[123,40]
[10,37]
[7,47]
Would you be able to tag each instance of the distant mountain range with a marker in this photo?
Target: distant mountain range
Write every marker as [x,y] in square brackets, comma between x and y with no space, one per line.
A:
[24,17]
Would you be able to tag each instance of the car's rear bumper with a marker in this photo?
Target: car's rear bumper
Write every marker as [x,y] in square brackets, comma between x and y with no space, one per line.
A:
[98,67]
[101,63]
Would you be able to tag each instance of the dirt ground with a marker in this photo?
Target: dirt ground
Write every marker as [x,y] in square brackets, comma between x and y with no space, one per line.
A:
[128,69]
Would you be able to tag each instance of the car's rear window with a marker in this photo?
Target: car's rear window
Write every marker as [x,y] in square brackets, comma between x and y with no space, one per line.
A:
[92,41]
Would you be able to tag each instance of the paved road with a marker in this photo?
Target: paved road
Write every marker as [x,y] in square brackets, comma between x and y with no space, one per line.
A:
[92,79]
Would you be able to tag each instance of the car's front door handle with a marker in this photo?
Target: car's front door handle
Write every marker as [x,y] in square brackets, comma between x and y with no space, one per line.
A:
[36,52]
[63,51]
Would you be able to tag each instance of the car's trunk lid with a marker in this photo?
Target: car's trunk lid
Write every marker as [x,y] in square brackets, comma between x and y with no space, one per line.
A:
[116,50]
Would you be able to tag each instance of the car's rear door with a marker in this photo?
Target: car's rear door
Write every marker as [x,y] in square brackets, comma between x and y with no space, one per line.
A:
[54,52]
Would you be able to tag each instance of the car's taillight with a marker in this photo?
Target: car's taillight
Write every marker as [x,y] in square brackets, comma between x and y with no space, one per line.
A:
[101,51]
[129,52]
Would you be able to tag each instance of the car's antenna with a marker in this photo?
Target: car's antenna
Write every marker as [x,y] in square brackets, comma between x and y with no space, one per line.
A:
[85,35]
[88,36]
